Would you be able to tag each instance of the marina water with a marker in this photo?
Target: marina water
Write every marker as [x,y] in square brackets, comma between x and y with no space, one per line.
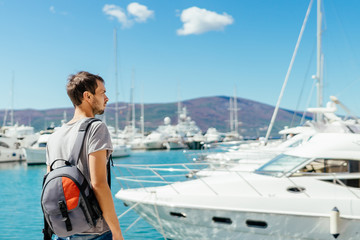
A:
[21,216]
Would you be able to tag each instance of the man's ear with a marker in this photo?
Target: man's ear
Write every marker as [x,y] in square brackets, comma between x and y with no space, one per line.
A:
[86,95]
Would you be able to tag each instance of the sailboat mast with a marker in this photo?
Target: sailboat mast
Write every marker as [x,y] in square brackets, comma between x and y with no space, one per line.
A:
[132,101]
[319,79]
[179,104]
[142,124]
[231,114]
[236,125]
[142,119]
[12,100]
[288,74]
[116,84]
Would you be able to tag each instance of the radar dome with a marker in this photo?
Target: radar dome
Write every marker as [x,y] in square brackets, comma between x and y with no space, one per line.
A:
[167,121]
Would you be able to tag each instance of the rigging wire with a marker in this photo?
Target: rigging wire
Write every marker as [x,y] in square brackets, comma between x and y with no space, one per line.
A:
[308,102]
[353,59]
[303,85]
[346,38]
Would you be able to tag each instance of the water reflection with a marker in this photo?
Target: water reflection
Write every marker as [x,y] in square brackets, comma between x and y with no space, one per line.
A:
[12,165]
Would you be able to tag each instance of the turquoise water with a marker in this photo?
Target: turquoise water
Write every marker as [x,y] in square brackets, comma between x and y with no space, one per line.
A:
[20,211]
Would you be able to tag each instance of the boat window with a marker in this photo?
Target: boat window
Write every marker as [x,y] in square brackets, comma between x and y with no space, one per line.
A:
[2,144]
[327,166]
[295,144]
[43,144]
[281,164]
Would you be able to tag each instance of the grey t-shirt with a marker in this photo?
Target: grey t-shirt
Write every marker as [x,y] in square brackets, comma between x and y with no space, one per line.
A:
[60,145]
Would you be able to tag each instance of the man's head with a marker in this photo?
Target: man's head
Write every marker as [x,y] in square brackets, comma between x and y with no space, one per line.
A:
[89,89]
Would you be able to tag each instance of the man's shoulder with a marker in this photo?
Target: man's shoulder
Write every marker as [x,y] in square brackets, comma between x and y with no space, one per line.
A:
[98,127]
[73,128]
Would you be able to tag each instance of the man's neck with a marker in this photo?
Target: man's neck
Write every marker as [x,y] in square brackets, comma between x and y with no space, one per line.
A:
[80,113]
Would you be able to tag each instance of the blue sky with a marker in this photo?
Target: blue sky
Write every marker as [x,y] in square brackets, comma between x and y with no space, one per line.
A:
[177,49]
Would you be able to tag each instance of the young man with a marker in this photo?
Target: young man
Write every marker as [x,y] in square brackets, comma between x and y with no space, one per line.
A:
[87,93]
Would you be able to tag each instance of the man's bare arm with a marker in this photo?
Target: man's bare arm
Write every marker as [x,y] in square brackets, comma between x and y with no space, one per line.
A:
[98,174]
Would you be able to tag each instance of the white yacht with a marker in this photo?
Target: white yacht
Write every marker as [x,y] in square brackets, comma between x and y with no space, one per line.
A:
[311,192]
[120,148]
[175,141]
[195,141]
[155,141]
[24,134]
[132,137]
[165,136]
[212,136]
[36,153]
[12,139]
[257,152]
[10,150]
[172,138]
[232,137]
[187,128]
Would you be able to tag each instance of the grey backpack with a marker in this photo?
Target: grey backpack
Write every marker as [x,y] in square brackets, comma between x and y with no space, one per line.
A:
[67,200]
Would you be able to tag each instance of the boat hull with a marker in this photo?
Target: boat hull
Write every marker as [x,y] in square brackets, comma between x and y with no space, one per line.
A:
[35,156]
[11,155]
[121,151]
[153,145]
[176,145]
[206,223]
[262,207]
[195,145]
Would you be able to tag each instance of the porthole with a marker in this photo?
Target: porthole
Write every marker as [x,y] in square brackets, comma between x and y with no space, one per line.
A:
[222,220]
[296,189]
[256,224]
[178,214]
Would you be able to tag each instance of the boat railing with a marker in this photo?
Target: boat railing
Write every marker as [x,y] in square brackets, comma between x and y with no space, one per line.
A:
[153,175]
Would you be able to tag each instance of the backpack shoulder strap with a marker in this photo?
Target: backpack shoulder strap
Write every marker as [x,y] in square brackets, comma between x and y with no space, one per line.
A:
[109,164]
[78,145]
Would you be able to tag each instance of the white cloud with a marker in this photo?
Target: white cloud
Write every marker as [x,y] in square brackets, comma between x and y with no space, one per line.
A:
[52,9]
[197,21]
[140,12]
[135,13]
[118,13]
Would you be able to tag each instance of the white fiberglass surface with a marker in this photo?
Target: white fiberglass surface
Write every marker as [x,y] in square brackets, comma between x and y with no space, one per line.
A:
[281,164]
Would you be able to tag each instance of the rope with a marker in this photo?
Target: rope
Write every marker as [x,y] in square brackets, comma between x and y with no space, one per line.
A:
[308,102]
[303,87]
[158,217]
[131,225]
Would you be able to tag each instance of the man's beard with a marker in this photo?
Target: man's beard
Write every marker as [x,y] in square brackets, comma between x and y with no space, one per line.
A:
[100,112]
[97,110]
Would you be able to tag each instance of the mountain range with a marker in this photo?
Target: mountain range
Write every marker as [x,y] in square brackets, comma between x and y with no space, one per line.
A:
[254,117]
